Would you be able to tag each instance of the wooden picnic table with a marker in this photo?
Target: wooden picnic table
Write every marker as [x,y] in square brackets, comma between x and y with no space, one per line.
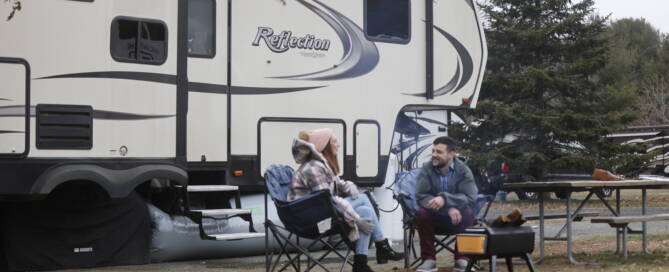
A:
[591,186]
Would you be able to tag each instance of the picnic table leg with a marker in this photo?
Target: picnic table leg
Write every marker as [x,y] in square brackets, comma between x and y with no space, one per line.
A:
[644,204]
[580,206]
[569,233]
[570,253]
[624,230]
[617,214]
[541,227]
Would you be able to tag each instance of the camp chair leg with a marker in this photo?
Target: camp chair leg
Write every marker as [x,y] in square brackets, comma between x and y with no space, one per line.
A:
[333,249]
[407,250]
[306,254]
[343,264]
[528,260]
[413,250]
[445,243]
[509,264]
[293,260]
[284,250]
[299,264]
[330,249]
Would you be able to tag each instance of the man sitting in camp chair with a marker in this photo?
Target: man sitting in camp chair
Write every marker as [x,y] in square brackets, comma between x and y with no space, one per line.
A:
[446,193]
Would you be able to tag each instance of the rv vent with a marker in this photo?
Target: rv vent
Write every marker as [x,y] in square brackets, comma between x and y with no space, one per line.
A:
[64,127]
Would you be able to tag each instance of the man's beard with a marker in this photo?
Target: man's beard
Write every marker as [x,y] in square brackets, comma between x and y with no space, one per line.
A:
[440,163]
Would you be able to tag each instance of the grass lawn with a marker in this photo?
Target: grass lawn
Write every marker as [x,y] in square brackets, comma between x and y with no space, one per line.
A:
[595,249]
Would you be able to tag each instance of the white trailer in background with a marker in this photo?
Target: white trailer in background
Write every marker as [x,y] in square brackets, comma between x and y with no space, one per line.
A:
[137,95]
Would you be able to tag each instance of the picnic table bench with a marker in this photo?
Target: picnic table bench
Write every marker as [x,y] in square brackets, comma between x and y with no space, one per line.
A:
[577,217]
[621,222]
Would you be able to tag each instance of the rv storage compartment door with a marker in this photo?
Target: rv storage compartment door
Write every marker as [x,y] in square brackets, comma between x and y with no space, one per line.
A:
[366,148]
[13,93]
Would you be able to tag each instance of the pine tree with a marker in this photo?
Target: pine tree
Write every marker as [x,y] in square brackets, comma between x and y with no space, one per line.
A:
[542,106]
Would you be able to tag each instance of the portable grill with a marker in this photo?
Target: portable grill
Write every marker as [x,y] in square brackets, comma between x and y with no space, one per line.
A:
[491,243]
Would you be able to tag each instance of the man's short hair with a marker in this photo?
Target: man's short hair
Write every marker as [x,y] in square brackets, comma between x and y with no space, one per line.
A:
[451,145]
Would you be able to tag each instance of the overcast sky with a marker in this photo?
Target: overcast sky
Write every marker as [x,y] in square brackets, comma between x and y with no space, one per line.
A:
[656,12]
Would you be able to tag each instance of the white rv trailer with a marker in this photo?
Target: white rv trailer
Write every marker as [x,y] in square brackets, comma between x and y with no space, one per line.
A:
[122,92]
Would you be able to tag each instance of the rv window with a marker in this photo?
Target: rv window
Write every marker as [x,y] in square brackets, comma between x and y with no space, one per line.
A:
[388,20]
[153,44]
[201,28]
[138,41]
[124,43]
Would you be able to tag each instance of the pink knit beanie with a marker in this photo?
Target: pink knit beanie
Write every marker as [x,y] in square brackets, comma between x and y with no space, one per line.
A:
[320,138]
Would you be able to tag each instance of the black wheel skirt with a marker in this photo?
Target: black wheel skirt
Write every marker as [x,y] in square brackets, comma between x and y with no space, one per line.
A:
[75,227]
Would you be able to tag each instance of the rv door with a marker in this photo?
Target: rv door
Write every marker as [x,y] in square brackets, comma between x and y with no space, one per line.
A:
[208,80]
[14,107]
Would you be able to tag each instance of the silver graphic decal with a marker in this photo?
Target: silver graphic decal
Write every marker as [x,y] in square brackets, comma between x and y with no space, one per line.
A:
[192,86]
[11,132]
[14,111]
[360,55]
[464,64]
[285,40]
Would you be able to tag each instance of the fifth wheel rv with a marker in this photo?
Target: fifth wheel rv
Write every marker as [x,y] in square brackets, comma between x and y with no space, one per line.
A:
[183,104]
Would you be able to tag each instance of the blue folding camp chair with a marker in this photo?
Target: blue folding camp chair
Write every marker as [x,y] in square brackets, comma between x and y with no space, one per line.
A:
[300,219]
[405,193]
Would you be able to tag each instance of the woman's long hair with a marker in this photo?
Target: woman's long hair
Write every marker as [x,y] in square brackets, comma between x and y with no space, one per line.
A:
[331,159]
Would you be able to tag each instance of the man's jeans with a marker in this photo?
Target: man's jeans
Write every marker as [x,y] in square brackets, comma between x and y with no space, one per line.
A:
[428,221]
[364,208]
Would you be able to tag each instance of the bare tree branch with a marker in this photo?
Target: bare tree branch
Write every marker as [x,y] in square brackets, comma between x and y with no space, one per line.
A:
[655,100]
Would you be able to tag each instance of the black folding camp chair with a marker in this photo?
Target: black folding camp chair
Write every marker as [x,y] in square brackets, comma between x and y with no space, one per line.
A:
[306,224]
[444,241]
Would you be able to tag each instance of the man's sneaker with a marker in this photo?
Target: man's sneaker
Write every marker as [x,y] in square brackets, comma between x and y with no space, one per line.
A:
[460,265]
[427,266]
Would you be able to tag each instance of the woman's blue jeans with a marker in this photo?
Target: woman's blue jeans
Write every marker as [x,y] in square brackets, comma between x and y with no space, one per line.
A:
[364,208]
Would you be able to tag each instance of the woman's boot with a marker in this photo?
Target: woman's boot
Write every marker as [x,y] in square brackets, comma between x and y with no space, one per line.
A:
[360,264]
[384,252]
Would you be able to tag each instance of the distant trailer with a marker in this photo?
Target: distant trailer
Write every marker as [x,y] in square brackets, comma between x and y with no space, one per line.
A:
[656,136]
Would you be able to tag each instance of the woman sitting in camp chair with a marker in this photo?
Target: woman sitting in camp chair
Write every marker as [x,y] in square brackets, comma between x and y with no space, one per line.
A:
[316,151]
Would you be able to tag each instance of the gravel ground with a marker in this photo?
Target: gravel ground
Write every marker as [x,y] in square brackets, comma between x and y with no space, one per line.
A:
[256,264]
